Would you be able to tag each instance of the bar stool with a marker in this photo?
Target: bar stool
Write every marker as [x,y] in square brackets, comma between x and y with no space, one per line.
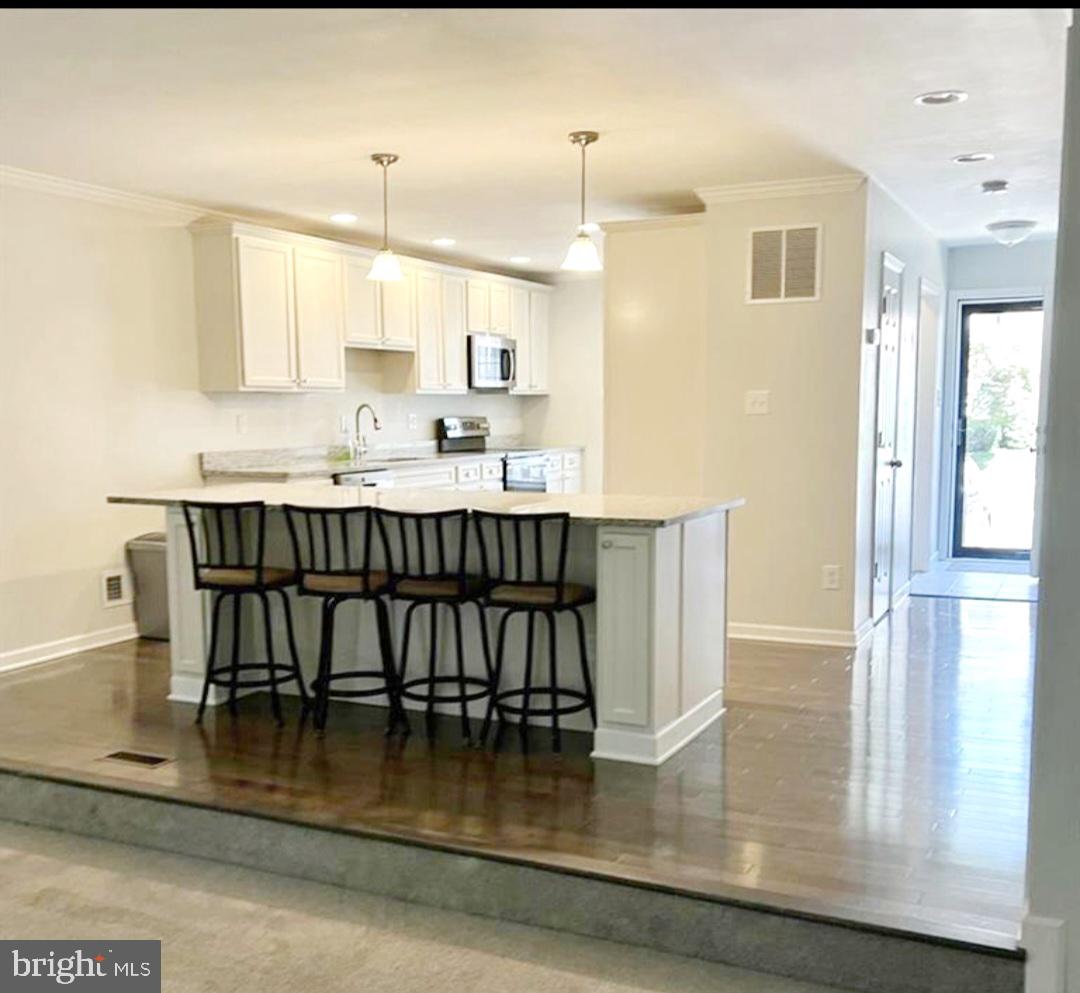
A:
[335,552]
[523,561]
[227,545]
[426,552]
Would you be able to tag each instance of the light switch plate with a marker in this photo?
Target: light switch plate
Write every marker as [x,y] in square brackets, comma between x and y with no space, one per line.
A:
[412,422]
[757,401]
[830,577]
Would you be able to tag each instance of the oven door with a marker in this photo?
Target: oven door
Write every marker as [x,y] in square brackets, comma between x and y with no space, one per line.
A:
[492,362]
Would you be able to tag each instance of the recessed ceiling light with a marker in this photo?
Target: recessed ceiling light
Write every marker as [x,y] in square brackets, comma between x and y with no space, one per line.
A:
[938,98]
[969,157]
[995,186]
[344,218]
[444,242]
[520,259]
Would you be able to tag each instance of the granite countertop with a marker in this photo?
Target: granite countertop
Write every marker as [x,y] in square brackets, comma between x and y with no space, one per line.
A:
[596,509]
[284,465]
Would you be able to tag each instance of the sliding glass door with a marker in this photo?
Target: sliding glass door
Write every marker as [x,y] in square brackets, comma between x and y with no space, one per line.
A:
[1000,354]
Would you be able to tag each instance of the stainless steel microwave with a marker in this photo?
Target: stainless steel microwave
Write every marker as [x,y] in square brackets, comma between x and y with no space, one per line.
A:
[492,362]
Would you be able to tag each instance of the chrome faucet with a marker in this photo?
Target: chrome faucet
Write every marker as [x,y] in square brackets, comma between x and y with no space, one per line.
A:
[359,444]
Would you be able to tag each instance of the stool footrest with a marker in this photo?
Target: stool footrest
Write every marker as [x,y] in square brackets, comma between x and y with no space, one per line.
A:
[407,689]
[354,674]
[545,691]
[222,675]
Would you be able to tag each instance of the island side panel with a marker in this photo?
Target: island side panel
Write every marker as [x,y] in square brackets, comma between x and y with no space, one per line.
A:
[704,609]
[188,624]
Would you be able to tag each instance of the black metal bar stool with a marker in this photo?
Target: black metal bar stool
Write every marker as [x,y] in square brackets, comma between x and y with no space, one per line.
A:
[336,552]
[227,545]
[426,552]
[523,561]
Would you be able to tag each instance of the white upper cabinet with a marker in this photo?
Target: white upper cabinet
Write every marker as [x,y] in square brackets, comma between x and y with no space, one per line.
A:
[399,311]
[455,367]
[363,304]
[440,340]
[319,319]
[267,322]
[529,327]
[500,308]
[478,305]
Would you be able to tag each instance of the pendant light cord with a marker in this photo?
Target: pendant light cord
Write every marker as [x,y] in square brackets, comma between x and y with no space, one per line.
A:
[385,208]
[583,147]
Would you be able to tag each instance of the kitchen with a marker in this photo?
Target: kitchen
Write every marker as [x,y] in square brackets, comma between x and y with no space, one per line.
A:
[657,676]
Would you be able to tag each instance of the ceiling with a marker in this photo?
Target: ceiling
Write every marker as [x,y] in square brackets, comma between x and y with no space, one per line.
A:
[275,112]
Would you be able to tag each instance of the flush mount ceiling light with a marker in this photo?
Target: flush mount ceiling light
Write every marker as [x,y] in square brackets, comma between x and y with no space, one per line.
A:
[444,242]
[582,255]
[385,267]
[939,98]
[969,157]
[995,186]
[343,218]
[1009,233]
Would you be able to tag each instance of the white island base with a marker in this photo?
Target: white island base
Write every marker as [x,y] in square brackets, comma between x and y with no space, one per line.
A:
[657,634]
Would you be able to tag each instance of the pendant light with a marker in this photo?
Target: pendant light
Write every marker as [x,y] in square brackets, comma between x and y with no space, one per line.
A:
[385,267]
[582,255]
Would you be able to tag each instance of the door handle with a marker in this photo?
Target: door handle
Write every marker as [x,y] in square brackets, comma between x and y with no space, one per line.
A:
[894,463]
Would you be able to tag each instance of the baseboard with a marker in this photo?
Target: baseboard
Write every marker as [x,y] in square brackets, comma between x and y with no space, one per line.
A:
[900,595]
[49,650]
[646,748]
[795,636]
[1043,938]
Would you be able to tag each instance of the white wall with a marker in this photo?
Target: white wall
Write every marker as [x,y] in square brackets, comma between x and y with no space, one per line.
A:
[99,393]
[890,228]
[1051,930]
[573,413]
[995,267]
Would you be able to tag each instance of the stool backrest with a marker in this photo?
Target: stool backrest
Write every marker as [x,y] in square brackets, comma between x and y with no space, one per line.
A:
[342,541]
[523,549]
[226,536]
[425,545]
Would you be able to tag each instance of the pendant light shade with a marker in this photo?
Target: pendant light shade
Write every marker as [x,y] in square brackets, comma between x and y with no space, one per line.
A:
[385,267]
[583,255]
[1009,233]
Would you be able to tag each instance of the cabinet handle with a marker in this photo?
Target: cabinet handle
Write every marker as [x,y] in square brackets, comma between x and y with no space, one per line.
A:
[607,543]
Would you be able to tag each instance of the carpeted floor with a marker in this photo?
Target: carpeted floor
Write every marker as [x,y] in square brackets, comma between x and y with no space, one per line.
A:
[232,930]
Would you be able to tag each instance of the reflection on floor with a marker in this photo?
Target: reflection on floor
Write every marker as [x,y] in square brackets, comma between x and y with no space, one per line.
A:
[970,579]
[886,785]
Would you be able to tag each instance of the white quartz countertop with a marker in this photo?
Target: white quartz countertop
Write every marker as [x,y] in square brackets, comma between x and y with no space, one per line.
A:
[639,511]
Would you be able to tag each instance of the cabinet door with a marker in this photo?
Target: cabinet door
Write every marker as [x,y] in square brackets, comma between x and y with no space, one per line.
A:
[429,331]
[362,304]
[539,304]
[455,371]
[500,308]
[478,312]
[519,331]
[320,350]
[399,311]
[267,322]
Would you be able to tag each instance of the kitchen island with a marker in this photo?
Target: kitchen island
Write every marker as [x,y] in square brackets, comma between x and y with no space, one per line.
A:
[657,636]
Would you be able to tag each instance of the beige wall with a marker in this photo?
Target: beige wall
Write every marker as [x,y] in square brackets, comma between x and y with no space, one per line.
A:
[654,357]
[573,413]
[99,393]
[795,465]
[890,228]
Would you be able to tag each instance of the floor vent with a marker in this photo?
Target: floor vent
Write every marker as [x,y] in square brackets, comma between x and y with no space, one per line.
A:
[137,758]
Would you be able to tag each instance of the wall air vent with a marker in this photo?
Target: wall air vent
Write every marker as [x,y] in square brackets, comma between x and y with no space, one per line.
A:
[116,588]
[784,264]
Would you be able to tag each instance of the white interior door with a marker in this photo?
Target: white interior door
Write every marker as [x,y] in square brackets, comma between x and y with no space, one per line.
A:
[886,462]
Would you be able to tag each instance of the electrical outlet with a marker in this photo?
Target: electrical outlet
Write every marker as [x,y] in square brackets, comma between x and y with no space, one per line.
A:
[757,401]
[412,422]
[830,577]
[241,424]
[343,424]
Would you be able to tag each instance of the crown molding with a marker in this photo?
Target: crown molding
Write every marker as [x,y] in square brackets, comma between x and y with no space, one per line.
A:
[775,189]
[648,223]
[39,182]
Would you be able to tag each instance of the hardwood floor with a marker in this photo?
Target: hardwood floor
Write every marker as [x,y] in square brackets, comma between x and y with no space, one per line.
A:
[886,785]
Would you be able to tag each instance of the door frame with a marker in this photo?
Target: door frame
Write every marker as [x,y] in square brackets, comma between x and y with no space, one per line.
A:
[950,402]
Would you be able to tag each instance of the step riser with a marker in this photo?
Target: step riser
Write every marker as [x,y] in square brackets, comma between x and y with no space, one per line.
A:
[788,945]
